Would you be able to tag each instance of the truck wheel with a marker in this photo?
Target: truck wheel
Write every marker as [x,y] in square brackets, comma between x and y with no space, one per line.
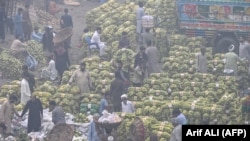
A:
[223,44]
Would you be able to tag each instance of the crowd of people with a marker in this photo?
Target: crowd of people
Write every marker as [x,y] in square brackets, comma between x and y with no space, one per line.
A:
[145,63]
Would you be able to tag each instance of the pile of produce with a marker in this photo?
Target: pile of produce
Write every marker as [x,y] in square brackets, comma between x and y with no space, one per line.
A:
[10,66]
[68,73]
[45,97]
[81,118]
[36,50]
[41,18]
[90,103]
[11,88]
[126,56]
[67,97]
[115,23]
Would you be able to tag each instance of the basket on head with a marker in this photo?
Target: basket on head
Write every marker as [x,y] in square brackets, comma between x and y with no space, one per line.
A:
[63,35]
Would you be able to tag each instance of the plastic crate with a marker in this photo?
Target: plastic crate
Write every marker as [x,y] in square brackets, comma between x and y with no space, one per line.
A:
[147,21]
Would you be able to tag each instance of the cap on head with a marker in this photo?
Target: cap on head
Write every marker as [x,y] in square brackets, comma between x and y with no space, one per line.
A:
[124,96]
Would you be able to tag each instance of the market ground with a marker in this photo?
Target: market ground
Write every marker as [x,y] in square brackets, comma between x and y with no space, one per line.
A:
[78,14]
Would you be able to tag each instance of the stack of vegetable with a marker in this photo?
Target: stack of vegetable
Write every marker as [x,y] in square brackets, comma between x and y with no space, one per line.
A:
[36,50]
[137,93]
[10,66]
[12,88]
[90,103]
[114,23]
[67,96]
[126,56]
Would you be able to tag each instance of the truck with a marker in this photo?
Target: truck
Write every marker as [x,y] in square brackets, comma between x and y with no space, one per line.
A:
[220,22]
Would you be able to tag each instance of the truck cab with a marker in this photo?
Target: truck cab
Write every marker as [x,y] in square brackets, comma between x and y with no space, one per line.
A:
[220,22]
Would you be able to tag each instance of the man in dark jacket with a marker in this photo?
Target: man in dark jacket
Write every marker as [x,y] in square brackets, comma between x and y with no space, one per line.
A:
[66,21]
[124,41]
[47,39]
[35,108]
[140,56]
[116,90]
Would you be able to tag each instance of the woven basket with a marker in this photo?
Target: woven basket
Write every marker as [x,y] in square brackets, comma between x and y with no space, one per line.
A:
[63,35]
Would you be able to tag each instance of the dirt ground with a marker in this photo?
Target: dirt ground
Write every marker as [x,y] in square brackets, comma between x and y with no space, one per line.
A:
[78,14]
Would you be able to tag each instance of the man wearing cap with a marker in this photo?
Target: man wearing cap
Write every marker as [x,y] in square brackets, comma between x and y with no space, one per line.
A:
[127,106]
[231,60]
[178,120]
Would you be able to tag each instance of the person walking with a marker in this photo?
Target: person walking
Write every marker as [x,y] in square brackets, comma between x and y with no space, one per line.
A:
[201,61]
[123,75]
[27,25]
[50,72]
[153,58]
[18,24]
[25,89]
[94,130]
[231,60]
[47,40]
[127,106]
[65,22]
[82,78]
[147,36]
[7,111]
[140,56]
[66,19]
[116,91]
[139,74]
[103,103]
[3,18]
[139,14]
[124,41]
[35,108]
[61,60]
[58,115]
[30,78]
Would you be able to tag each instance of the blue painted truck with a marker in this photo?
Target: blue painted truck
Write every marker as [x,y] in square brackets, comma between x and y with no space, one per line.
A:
[220,22]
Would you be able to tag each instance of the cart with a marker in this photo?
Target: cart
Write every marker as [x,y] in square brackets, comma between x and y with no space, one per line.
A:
[61,132]
[110,129]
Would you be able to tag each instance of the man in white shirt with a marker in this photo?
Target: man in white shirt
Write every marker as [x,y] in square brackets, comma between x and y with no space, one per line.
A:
[127,106]
[96,38]
[50,71]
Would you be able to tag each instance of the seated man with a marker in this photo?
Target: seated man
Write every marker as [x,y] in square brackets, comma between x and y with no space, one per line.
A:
[86,38]
[30,61]
[36,35]
[97,39]
[50,72]
[17,48]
